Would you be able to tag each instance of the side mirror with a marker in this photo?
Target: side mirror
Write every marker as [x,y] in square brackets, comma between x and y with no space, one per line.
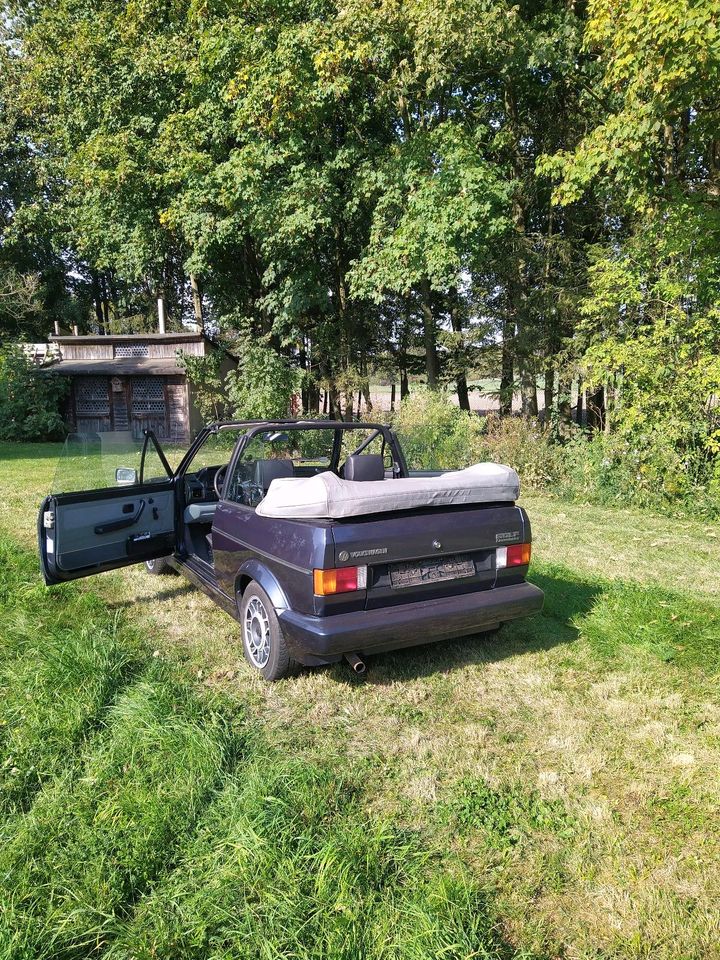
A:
[126,476]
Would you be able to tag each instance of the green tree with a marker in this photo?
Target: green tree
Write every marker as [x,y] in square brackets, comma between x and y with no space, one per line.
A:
[30,399]
[651,326]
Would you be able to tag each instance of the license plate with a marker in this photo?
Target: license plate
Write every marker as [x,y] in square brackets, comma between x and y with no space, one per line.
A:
[430,571]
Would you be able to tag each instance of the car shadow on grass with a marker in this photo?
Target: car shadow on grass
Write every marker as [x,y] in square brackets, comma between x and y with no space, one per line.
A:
[567,600]
[617,619]
[168,593]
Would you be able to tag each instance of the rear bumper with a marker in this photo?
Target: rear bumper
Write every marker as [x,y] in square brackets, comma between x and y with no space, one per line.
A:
[324,639]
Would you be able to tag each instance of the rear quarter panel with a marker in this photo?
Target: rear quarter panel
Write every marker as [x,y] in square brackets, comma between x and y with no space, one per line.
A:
[288,549]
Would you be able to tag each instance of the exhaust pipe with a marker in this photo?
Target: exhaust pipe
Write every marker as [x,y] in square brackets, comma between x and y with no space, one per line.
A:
[355,662]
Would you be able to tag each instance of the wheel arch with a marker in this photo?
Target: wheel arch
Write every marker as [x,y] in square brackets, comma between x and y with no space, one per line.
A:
[255,570]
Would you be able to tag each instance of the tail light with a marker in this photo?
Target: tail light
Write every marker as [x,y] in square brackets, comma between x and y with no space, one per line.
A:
[340,580]
[518,555]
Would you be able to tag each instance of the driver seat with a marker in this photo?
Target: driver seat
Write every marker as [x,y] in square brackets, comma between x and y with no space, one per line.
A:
[268,470]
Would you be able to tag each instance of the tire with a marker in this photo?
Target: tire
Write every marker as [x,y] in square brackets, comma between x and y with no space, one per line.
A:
[262,638]
[158,567]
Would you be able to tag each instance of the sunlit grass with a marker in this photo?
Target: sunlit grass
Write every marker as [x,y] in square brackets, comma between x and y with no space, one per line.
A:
[549,792]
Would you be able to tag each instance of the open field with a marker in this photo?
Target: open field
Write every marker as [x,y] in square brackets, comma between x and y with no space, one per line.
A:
[551,793]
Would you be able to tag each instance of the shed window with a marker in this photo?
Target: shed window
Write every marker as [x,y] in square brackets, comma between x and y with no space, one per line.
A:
[91,397]
[148,395]
[131,350]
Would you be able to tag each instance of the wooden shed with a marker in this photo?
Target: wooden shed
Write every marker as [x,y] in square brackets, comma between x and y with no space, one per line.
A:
[131,383]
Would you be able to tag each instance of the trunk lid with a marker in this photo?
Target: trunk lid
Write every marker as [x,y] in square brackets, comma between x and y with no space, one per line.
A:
[420,554]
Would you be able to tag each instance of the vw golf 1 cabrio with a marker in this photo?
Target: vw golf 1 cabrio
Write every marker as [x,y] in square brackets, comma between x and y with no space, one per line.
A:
[313,534]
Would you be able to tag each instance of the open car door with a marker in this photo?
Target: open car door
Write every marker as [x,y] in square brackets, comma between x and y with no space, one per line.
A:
[127,516]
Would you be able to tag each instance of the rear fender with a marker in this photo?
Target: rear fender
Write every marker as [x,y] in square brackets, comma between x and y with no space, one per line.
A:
[257,571]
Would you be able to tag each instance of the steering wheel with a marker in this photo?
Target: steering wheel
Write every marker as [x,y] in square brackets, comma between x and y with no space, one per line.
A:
[219,480]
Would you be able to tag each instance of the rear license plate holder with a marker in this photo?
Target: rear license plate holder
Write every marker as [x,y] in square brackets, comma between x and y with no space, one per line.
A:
[419,572]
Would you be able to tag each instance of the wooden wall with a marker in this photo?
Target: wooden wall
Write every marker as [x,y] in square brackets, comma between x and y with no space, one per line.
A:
[101,404]
[79,349]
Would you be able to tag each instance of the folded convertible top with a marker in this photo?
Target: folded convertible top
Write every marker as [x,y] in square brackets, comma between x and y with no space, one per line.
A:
[327,497]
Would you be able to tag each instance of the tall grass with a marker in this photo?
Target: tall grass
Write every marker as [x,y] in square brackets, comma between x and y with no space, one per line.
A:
[101,833]
[142,819]
[61,664]
[287,864]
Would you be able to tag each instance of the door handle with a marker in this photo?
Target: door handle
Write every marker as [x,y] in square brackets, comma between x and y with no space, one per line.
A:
[122,522]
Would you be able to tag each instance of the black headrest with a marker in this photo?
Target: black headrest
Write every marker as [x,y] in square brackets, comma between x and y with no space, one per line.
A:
[367,466]
[268,470]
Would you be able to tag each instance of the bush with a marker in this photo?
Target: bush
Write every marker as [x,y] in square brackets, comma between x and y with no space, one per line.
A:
[30,398]
[263,385]
[527,448]
[645,470]
[437,435]
[642,469]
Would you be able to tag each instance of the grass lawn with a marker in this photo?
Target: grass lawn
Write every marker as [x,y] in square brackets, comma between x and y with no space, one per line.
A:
[550,793]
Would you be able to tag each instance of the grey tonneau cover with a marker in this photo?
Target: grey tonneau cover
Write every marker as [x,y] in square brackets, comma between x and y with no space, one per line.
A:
[328,497]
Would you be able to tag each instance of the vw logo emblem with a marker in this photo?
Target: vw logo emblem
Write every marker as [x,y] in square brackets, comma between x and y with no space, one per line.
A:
[437,545]
[343,556]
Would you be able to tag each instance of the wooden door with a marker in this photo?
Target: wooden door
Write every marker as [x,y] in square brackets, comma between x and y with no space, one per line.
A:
[119,394]
[91,400]
[149,406]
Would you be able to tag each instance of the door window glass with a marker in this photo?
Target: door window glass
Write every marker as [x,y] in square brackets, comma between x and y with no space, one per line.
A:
[96,461]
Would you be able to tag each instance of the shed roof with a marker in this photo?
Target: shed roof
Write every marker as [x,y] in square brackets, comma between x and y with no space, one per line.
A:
[183,337]
[119,366]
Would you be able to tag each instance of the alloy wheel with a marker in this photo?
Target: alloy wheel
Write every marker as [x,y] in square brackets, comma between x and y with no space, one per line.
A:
[256,627]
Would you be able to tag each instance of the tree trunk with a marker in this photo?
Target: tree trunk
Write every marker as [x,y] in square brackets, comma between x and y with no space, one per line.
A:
[518,278]
[197,302]
[462,392]
[313,398]
[114,298]
[579,408]
[596,409]
[549,392]
[404,384]
[528,393]
[457,327]
[392,396]
[432,365]
[610,401]
[305,389]
[507,372]
[97,300]
[565,400]
[368,398]
[335,409]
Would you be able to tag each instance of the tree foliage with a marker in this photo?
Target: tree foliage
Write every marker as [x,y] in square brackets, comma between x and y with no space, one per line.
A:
[435,189]
[30,399]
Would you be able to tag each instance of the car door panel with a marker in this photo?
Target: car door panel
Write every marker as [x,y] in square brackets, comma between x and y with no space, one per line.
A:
[84,533]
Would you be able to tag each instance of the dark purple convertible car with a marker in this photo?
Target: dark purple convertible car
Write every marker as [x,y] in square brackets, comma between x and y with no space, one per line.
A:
[312,534]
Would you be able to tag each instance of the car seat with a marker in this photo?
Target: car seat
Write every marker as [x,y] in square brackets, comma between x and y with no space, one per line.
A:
[268,470]
[366,466]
